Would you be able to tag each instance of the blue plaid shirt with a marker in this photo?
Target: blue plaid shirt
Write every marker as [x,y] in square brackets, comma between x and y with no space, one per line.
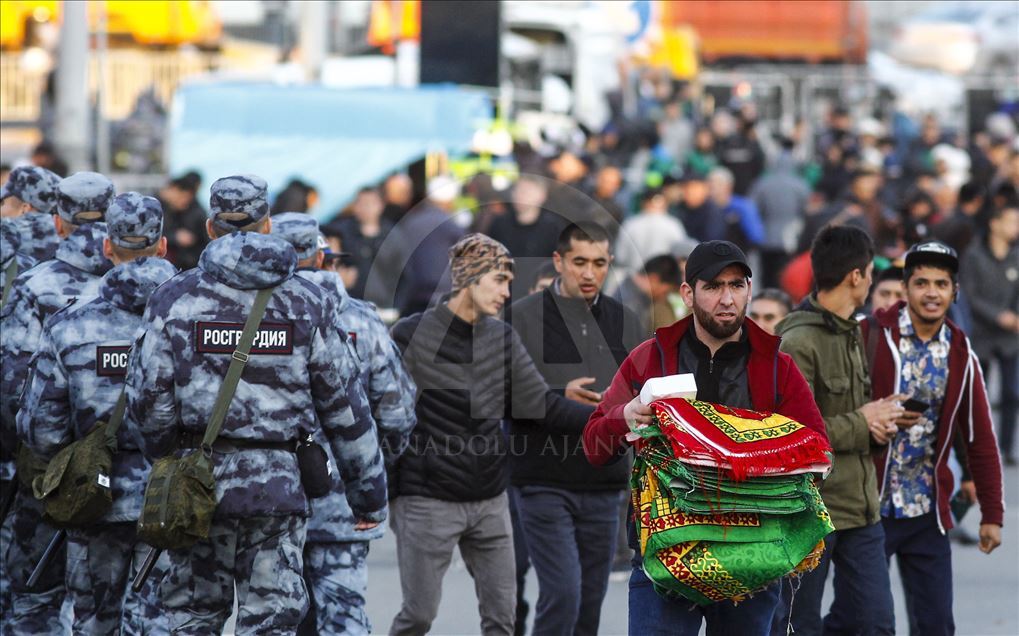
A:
[909,481]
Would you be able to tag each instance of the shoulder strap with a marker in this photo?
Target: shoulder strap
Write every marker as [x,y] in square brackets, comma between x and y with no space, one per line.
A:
[233,375]
[117,417]
[10,272]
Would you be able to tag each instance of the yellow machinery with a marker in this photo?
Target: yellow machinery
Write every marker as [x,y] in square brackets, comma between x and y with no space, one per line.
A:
[155,23]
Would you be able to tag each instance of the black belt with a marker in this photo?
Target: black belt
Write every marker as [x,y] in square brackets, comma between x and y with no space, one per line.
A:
[225,445]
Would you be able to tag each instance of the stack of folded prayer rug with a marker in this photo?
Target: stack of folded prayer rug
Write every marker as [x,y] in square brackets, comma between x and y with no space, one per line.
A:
[725,499]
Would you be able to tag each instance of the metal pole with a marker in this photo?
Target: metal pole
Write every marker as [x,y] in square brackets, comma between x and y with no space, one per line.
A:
[71,128]
[103,149]
[312,37]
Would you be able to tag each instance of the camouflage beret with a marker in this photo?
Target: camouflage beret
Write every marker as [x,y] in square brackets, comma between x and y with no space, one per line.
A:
[298,229]
[134,221]
[34,185]
[82,195]
[238,201]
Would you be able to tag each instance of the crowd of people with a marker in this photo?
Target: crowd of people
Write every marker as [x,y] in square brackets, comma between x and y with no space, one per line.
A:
[492,415]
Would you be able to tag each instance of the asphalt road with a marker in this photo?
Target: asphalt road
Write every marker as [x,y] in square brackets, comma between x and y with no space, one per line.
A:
[986,586]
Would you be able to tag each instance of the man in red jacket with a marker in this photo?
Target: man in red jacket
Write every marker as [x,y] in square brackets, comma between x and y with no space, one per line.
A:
[917,351]
[735,363]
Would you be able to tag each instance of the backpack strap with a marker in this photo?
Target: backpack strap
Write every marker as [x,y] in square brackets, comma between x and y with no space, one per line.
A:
[10,272]
[233,375]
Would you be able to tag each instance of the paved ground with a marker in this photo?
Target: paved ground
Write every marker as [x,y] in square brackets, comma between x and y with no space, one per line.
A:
[986,587]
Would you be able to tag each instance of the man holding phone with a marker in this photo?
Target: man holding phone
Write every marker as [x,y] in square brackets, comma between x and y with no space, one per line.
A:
[921,353]
[570,510]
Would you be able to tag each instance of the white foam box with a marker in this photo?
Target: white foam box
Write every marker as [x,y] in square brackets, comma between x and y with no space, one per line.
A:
[670,386]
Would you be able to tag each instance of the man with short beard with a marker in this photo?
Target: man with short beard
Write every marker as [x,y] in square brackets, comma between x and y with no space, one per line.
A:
[736,363]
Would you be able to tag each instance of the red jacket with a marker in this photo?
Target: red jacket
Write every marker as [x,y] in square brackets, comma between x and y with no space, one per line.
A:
[776,386]
[965,406]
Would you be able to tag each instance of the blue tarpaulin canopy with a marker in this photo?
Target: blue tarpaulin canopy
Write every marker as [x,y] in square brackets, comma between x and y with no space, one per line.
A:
[338,140]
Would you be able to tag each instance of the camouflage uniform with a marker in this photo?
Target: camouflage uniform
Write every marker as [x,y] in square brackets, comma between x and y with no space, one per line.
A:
[77,376]
[36,295]
[298,373]
[10,240]
[37,187]
[335,553]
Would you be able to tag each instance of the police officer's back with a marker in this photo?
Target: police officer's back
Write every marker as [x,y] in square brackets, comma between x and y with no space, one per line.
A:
[337,545]
[295,376]
[36,295]
[77,377]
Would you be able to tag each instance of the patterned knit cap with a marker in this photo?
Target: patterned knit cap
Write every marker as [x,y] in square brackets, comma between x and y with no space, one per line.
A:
[475,255]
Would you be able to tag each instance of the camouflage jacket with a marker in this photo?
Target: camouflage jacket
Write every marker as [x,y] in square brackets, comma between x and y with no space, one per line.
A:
[39,238]
[299,372]
[390,392]
[9,252]
[37,294]
[78,374]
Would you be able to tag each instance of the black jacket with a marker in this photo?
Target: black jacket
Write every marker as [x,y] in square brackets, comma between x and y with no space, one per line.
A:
[567,340]
[469,378]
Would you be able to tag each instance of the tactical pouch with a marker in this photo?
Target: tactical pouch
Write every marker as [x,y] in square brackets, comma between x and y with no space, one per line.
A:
[75,489]
[28,466]
[312,461]
[180,498]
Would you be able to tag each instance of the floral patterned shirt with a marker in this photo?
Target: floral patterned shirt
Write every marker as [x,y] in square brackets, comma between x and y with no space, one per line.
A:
[909,485]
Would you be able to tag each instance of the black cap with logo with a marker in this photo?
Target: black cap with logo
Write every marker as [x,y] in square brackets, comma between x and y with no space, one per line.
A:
[709,258]
[933,253]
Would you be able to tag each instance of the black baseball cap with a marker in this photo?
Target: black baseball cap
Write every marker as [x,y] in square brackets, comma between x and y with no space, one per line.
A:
[711,257]
[933,253]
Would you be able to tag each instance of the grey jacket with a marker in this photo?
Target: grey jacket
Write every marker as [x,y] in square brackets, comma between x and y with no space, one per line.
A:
[992,286]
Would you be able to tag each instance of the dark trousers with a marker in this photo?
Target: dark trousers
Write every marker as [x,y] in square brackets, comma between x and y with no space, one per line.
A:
[652,615]
[924,556]
[1008,367]
[571,537]
[523,561]
[863,592]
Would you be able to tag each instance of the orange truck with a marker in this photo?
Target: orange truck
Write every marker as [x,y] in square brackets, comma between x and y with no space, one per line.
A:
[806,31]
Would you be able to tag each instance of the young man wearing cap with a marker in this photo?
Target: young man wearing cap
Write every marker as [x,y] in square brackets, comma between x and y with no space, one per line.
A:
[75,272]
[77,377]
[923,354]
[28,201]
[735,363]
[824,338]
[449,487]
[299,380]
[336,550]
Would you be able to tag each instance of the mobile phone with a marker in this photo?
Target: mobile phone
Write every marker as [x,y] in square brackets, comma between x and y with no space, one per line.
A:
[915,405]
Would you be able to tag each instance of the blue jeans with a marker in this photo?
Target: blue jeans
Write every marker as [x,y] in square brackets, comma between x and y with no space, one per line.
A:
[652,615]
[924,556]
[863,591]
[571,537]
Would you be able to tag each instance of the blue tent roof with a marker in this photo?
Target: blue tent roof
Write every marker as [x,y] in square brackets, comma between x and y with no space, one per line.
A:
[338,140]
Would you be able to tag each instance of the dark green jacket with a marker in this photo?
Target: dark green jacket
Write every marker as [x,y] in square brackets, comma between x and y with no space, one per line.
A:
[829,351]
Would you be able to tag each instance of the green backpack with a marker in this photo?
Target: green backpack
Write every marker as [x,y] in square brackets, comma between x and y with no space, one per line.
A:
[75,488]
[180,498]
